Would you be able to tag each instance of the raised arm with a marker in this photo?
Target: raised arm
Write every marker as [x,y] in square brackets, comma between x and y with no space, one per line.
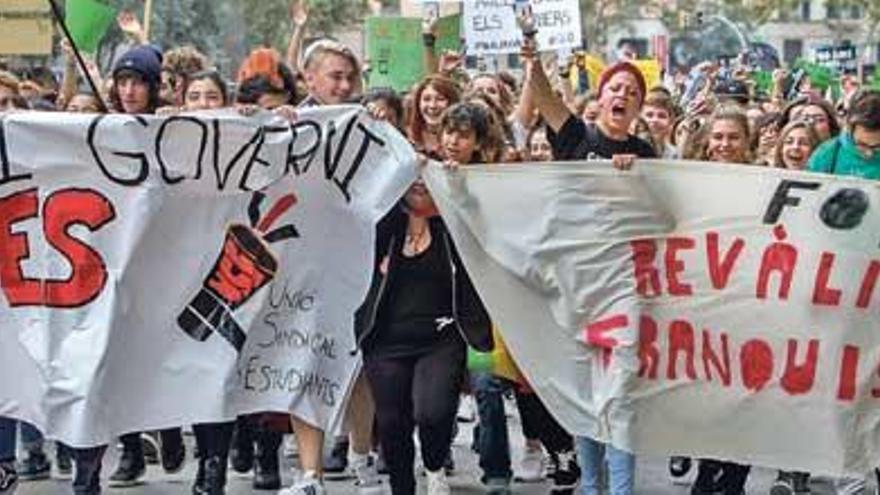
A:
[538,90]
[70,78]
[299,16]
[429,40]
[131,26]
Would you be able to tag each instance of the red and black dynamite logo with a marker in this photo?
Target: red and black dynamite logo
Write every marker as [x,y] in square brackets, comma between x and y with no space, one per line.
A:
[245,265]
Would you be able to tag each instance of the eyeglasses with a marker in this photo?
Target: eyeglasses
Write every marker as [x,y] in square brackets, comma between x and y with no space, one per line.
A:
[814,119]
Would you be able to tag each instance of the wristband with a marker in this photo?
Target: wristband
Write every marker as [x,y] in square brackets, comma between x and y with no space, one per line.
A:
[530,32]
[429,40]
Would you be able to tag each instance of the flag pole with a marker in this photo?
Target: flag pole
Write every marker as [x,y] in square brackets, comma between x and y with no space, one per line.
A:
[148,14]
[56,12]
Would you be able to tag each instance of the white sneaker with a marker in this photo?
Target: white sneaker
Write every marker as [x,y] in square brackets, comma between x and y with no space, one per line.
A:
[531,466]
[368,481]
[437,482]
[467,409]
[306,486]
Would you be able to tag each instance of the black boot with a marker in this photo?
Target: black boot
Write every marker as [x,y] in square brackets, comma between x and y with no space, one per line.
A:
[172,449]
[211,476]
[267,475]
[241,454]
[132,466]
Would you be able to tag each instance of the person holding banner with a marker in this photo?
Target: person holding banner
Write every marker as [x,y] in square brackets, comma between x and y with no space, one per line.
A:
[136,81]
[178,65]
[726,140]
[333,77]
[855,152]
[621,92]
[135,90]
[206,90]
[419,316]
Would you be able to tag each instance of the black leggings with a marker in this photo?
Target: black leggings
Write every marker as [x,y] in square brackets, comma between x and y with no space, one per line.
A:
[537,421]
[214,439]
[416,391]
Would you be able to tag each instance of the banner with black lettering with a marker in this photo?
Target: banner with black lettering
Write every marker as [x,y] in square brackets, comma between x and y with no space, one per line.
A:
[164,271]
[708,310]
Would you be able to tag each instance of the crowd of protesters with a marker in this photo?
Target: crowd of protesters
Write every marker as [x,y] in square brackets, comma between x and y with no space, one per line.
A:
[422,322]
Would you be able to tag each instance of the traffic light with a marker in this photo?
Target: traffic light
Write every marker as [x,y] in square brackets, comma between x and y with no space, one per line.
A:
[699,16]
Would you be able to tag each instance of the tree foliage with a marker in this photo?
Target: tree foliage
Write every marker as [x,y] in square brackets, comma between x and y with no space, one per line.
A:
[599,16]
[226,30]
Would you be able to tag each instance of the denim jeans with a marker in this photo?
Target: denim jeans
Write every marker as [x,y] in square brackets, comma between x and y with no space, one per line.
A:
[31,438]
[621,467]
[493,443]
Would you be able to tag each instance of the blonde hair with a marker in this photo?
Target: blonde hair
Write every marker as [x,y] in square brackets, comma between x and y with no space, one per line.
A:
[321,48]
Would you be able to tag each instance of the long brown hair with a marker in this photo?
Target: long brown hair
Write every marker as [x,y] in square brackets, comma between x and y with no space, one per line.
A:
[415,125]
[726,113]
[797,124]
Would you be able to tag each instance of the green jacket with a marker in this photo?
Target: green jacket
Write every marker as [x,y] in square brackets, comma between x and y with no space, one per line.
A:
[839,156]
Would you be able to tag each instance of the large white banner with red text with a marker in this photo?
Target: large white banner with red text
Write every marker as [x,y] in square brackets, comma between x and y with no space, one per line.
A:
[700,309]
[163,271]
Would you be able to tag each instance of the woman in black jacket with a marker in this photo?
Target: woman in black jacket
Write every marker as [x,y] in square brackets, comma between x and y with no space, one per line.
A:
[421,313]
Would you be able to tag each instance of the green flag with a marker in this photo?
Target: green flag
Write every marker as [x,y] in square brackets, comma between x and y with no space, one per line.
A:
[87,21]
[763,81]
[394,49]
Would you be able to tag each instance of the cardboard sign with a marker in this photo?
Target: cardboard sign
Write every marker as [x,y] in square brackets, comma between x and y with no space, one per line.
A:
[395,49]
[490,26]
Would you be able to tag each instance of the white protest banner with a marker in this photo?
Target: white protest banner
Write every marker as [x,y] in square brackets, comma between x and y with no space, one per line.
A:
[710,310]
[160,272]
[490,26]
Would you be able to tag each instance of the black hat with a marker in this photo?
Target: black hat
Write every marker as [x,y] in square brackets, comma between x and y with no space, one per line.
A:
[145,60]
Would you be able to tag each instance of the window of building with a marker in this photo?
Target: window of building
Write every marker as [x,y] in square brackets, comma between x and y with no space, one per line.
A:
[832,11]
[855,12]
[805,10]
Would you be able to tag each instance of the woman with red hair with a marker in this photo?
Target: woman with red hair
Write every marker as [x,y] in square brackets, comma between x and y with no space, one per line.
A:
[430,99]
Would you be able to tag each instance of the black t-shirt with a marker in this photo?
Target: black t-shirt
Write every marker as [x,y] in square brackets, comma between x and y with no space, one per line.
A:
[578,141]
[416,312]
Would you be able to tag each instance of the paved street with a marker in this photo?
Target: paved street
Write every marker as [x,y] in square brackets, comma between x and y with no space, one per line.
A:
[651,476]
